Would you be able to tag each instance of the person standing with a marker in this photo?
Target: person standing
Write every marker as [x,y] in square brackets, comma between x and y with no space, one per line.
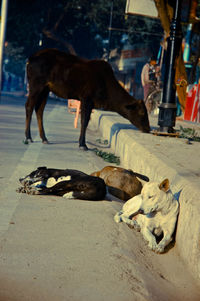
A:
[148,77]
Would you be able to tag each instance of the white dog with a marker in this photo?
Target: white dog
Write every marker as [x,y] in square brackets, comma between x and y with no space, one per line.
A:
[154,212]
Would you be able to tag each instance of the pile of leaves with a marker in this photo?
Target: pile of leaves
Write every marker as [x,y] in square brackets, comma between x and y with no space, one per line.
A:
[189,134]
[108,157]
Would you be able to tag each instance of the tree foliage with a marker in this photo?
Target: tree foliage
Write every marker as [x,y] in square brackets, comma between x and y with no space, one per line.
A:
[76,26]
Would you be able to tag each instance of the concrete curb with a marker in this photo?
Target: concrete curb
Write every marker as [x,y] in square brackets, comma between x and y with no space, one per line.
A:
[138,151]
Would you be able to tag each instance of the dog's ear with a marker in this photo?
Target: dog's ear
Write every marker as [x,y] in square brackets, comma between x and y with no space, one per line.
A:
[95,174]
[41,167]
[164,185]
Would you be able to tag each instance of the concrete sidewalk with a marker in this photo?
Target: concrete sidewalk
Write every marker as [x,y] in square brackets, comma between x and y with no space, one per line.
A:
[160,157]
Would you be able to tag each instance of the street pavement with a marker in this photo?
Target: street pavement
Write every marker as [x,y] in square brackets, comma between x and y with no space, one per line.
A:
[56,249]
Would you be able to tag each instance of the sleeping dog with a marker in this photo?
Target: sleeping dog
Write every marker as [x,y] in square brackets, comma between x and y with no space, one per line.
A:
[63,182]
[122,183]
[153,212]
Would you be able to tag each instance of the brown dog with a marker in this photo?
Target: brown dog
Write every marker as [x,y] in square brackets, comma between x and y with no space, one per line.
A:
[122,183]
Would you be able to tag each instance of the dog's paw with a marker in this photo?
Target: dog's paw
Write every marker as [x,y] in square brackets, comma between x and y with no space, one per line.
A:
[33,190]
[152,245]
[159,249]
[133,225]
[117,217]
[161,246]
[136,225]
[21,190]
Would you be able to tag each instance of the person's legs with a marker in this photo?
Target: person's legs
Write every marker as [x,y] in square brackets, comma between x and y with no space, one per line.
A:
[146,91]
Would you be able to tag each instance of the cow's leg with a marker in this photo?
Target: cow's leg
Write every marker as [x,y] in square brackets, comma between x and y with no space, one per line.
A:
[86,109]
[29,106]
[39,109]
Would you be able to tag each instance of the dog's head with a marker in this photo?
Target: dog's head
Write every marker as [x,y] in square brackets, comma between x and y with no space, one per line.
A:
[153,195]
[38,175]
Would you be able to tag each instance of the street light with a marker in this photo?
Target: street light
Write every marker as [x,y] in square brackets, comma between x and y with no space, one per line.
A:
[4,8]
[167,109]
[109,30]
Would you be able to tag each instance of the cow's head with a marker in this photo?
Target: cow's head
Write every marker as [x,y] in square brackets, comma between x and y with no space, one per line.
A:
[137,114]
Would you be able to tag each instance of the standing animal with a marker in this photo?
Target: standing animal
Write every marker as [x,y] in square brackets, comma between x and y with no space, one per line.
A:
[121,182]
[63,182]
[90,81]
[154,212]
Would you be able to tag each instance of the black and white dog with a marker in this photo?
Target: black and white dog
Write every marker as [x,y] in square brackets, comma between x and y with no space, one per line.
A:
[68,183]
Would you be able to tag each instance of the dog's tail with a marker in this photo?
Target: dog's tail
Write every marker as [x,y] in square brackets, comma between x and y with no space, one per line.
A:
[138,175]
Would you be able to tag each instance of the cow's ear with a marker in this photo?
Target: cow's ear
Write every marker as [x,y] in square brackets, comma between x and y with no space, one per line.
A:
[164,185]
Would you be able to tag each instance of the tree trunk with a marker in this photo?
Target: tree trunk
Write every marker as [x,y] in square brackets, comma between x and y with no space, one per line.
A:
[51,34]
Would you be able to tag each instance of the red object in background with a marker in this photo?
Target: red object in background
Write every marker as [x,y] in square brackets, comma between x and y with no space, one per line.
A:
[192,107]
[198,104]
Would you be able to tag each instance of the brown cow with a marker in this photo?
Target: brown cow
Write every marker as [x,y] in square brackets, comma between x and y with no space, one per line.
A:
[91,81]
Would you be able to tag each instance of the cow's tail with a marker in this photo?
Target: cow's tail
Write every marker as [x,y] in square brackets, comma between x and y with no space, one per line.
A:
[26,85]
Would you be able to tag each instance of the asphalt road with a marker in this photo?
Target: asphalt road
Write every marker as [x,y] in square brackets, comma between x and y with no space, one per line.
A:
[62,250]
